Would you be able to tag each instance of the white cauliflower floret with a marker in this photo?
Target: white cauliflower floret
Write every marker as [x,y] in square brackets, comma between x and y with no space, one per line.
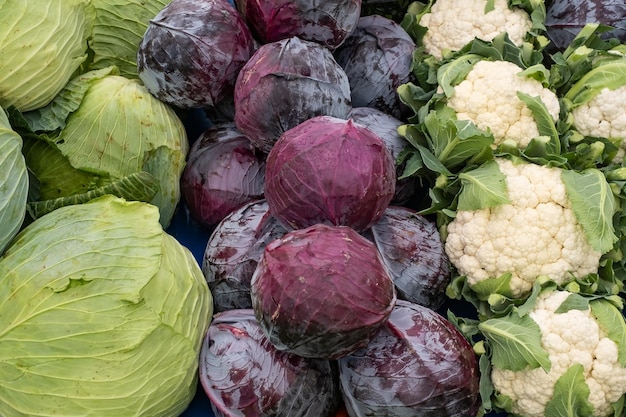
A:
[572,337]
[535,234]
[488,98]
[604,116]
[452,24]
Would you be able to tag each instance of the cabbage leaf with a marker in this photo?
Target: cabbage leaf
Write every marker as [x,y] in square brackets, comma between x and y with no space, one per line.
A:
[101,311]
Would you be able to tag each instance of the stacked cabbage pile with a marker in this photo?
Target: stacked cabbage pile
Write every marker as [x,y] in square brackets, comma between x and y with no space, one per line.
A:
[351,176]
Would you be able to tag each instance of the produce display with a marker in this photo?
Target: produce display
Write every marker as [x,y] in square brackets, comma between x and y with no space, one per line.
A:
[341,208]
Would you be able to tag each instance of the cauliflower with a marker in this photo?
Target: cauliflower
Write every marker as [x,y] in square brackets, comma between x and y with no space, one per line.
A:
[604,116]
[488,98]
[452,24]
[536,234]
[569,338]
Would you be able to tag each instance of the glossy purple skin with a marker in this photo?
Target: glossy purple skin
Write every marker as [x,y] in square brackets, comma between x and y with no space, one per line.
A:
[565,18]
[244,375]
[327,22]
[419,364]
[386,126]
[233,252]
[285,83]
[332,171]
[321,292]
[377,58]
[223,172]
[413,252]
[192,52]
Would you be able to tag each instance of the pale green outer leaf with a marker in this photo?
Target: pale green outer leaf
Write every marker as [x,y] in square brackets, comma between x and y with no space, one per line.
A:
[120,129]
[483,187]
[101,311]
[515,343]
[54,115]
[594,205]
[13,182]
[139,186]
[118,31]
[611,75]
[571,395]
[611,321]
[42,44]
[57,178]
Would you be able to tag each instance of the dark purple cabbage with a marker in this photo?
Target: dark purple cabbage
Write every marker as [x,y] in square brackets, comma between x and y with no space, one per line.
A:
[223,172]
[329,170]
[565,18]
[419,364]
[285,83]
[386,126]
[326,22]
[413,252]
[377,58]
[233,251]
[322,291]
[192,52]
[243,374]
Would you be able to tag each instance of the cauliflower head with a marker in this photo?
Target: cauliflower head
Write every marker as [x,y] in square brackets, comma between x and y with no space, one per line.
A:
[603,116]
[488,98]
[452,24]
[571,337]
[536,234]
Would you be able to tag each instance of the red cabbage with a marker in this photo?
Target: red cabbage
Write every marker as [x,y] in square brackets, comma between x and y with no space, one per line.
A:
[386,126]
[413,252]
[329,170]
[243,374]
[223,172]
[322,291]
[377,58]
[326,22]
[419,364]
[192,52]
[285,83]
[233,251]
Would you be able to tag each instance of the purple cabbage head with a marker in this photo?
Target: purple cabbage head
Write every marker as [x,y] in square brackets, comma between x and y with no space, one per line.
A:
[285,83]
[377,58]
[243,374]
[192,52]
[223,172]
[386,126]
[233,251]
[329,170]
[326,22]
[565,18]
[413,252]
[418,364]
[322,291]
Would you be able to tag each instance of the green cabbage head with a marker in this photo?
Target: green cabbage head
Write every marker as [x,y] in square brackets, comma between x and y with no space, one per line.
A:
[101,129]
[102,314]
[42,45]
[13,182]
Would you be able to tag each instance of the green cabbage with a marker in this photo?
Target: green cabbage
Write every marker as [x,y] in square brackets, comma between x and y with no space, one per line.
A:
[118,30]
[103,128]
[13,182]
[103,314]
[42,45]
